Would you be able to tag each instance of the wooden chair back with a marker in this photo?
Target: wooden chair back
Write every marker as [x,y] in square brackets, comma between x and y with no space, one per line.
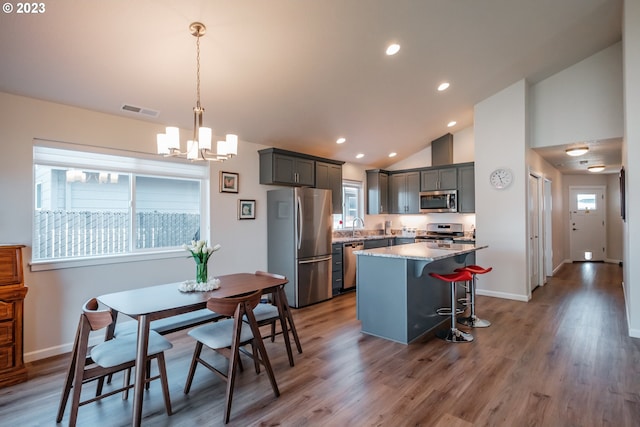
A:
[235,306]
[97,319]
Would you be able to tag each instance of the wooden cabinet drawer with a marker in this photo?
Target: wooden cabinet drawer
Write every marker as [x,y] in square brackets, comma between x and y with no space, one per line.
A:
[6,357]
[6,311]
[6,333]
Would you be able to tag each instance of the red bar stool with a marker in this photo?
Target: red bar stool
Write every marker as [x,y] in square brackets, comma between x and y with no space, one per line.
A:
[472,320]
[453,334]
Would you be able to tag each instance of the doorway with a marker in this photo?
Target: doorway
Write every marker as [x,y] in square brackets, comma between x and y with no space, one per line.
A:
[536,214]
[587,223]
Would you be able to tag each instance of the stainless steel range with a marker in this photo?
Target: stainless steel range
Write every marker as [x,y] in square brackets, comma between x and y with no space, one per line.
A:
[442,233]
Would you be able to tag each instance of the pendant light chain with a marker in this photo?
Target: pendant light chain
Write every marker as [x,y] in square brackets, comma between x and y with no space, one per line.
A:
[198,71]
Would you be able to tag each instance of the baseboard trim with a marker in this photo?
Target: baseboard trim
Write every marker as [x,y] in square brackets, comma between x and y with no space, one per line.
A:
[45,353]
[503,295]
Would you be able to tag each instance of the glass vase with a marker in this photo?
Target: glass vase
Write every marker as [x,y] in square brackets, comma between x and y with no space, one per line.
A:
[202,273]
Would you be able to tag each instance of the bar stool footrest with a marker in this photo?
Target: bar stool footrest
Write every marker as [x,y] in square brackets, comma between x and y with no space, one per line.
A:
[446,311]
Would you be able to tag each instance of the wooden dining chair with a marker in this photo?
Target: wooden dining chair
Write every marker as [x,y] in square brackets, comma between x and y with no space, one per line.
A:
[268,314]
[111,356]
[227,337]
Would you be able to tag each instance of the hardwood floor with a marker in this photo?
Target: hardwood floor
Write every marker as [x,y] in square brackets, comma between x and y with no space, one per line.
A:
[562,359]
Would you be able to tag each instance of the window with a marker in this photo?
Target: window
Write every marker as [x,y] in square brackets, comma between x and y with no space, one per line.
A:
[92,205]
[586,202]
[352,204]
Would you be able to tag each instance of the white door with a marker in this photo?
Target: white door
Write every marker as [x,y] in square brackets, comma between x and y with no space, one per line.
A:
[534,232]
[587,223]
[547,245]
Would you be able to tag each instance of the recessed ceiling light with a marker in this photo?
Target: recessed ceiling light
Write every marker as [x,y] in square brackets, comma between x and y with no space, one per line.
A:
[359,156]
[595,168]
[393,154]
[452,123]
[340,140]
[577,151]
[392,49]
[443,86]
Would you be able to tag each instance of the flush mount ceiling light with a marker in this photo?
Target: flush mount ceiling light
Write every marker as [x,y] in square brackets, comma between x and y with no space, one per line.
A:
[392,49]
[577,151]
[596,168]
[393,154]
[359,156]
[341,140]
[452,123]
[443,86]
[198,148]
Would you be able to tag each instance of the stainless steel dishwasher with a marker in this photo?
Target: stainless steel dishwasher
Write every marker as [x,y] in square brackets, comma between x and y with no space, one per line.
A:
[349,264]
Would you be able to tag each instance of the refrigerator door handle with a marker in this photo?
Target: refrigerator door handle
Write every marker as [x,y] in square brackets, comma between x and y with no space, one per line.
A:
[299,219]
[310,261]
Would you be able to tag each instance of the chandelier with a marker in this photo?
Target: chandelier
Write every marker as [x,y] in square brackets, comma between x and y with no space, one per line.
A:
[198,148]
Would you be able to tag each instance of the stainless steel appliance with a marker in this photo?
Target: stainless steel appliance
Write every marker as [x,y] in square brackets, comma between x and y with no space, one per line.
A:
[349,264]
[442,233]
[439,201]
[299,242]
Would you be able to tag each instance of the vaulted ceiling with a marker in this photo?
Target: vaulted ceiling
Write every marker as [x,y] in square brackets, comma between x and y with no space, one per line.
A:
[300,74]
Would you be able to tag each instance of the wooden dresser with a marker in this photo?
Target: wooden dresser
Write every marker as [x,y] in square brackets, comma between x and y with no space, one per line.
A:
[12,293]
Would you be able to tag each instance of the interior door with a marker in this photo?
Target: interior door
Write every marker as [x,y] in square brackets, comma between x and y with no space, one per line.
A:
[587,223]
[534,232]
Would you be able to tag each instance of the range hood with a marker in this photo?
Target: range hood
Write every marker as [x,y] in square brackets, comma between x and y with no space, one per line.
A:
[442,150]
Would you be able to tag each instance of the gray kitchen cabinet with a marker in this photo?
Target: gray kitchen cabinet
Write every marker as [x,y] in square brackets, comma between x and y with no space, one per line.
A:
[377,192]
[377,243]
[404,193]
[403,240]
[439,179]
[466,188]
[282,168]
[329,177]
[336,273]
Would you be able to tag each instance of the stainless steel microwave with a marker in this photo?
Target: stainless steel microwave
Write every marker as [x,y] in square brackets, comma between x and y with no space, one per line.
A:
[439,201]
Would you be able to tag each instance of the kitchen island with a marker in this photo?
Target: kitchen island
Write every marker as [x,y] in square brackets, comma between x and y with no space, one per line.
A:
[396,297]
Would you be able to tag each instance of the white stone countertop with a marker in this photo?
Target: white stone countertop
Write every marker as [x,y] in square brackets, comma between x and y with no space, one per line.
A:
[422,251]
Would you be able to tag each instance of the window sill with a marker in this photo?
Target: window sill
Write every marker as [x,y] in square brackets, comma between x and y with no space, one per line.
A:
[104,260]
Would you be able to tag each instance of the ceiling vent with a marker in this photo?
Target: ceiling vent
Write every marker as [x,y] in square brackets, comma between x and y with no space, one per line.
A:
[139,110]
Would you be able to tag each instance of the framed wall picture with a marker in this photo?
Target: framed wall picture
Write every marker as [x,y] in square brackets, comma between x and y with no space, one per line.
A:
[246,209]
[229,182]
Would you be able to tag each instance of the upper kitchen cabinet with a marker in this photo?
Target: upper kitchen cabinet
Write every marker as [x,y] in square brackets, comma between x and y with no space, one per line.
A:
[439,179]
[404,193]
[285,168]
[466,188]
[377,192]
[329,177]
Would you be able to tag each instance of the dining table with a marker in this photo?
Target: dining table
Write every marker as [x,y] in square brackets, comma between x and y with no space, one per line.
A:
[161,301]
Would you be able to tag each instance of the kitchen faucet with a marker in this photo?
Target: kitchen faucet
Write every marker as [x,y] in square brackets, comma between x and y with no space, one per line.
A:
[353,226]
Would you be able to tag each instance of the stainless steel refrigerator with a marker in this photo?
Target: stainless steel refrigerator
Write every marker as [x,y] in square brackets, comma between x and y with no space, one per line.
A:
[299,242]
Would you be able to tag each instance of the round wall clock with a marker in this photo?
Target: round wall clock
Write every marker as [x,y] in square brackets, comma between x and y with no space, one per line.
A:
[501,178]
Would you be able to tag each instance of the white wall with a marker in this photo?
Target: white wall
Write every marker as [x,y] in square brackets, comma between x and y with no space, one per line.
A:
[501,215]
[54,298]
[580,103]
[631,158]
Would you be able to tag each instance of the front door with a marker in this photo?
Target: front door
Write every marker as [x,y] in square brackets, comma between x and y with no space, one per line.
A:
[587,223]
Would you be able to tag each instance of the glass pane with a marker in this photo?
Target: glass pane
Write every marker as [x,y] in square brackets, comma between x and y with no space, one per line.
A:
[81,213]
[586,202]
[167,212]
